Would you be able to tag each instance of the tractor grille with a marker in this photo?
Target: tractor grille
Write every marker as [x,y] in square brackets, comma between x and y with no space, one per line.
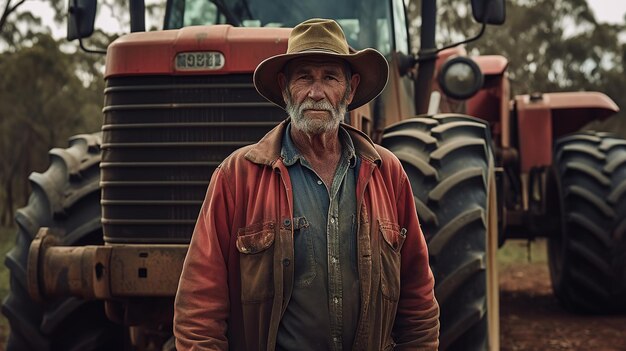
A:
[163,137]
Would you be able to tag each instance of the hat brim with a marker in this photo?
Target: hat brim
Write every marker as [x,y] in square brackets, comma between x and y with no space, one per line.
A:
[369,64]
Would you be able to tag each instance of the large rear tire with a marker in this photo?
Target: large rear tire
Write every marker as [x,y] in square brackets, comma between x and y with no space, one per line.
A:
[65,197]
[587,255]
[449,162]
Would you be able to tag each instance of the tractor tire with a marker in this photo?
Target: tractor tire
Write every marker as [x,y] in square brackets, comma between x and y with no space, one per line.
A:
[449,162]
[587,252]
[65,197]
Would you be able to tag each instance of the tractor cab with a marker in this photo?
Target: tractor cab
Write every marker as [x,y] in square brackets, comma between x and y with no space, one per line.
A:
[367,24]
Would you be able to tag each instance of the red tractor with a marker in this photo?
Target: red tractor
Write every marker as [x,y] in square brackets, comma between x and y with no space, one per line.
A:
[103,237]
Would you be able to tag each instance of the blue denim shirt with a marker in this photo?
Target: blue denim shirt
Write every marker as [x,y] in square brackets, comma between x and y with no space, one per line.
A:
[322,313]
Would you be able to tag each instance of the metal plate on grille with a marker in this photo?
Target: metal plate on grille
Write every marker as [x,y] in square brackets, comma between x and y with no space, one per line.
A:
[199,61]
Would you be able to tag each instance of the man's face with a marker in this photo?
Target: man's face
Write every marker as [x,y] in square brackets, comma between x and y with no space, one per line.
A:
[317,93]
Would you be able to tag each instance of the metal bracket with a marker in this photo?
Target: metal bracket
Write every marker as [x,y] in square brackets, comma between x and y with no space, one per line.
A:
[102,272]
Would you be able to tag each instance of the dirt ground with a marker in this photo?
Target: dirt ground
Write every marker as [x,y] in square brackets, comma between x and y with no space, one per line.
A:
[532,319]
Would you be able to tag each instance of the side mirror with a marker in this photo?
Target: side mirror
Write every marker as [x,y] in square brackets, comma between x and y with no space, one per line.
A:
[489,11]
[81,16]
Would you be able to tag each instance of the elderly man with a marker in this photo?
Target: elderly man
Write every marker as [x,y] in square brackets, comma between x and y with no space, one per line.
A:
[309,239]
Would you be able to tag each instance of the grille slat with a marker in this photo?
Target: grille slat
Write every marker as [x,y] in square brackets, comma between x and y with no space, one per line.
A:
[151,203]
[187,125]
[175,145]
[151,183]
[187,105]
[147,221]
[163,137]
[156,164]
[116,89]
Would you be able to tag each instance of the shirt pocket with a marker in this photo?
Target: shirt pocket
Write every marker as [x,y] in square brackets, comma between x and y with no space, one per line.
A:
[390,245]
[255,244]
[304,254]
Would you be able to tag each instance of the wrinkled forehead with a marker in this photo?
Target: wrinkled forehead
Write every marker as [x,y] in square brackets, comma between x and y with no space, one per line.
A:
[330,63]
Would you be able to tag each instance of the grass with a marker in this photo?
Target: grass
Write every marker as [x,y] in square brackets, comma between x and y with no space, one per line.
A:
[523,251]
[7,241]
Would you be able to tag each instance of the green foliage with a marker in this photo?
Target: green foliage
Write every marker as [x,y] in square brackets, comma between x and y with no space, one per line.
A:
[7,241]
[17,26]
[42,103]
[551,45]
[515,251]
[555,46]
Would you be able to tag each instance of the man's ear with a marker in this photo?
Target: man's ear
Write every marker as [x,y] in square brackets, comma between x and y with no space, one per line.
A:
[354,84]
[282,83]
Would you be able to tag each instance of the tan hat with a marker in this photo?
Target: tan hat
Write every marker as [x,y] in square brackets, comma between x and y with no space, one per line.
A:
[323,37]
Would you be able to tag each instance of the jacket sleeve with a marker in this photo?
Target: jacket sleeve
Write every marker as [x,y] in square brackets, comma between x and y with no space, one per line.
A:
[201,307]
[417,319]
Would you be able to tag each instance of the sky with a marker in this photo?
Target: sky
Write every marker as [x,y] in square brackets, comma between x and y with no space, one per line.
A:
[611,11]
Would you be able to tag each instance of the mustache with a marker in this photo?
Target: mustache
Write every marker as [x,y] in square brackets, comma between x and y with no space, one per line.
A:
[310,104]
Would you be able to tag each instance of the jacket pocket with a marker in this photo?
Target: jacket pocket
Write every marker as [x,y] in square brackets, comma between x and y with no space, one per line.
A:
[256,247]
[304,254]
[391,244]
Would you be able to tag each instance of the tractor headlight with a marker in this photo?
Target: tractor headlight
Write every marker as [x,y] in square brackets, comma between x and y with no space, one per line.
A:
[460,78]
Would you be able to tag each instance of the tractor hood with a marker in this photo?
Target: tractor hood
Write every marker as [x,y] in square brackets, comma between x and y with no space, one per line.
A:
[218,49]
[570,110]
[544,118]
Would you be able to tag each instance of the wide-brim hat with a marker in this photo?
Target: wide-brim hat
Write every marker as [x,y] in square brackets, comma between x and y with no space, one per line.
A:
[323,37]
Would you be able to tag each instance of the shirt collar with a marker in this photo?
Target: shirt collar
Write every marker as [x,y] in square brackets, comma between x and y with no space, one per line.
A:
[290,153]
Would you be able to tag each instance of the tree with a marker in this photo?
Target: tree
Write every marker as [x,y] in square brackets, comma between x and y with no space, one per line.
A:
[49,90]
[559,46]
[16,26]
[551,45]
[42,103]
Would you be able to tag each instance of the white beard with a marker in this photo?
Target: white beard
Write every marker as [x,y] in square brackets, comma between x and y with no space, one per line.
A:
[316,126]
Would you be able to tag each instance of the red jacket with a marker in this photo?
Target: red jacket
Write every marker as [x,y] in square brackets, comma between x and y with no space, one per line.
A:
[237,280]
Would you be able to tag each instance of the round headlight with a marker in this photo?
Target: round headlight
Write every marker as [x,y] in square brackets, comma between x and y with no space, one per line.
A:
[460,78]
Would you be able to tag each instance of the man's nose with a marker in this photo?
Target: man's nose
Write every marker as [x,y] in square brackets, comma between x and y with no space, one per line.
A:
[316,90]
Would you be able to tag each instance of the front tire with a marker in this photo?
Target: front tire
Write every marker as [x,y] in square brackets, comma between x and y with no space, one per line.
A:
[449,162]
[587,255]
[65,197]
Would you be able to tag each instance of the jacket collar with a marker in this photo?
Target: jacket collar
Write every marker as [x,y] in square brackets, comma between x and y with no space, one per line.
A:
[290,153]
[267,150]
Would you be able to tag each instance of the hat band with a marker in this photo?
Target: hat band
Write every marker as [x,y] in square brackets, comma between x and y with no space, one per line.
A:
[316,50]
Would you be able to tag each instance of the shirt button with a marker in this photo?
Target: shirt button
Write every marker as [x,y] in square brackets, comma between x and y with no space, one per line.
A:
[286,262]
[319,182]
[332,220]
[336,339]
[335,299]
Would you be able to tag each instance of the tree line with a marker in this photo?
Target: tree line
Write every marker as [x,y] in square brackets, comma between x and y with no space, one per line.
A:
[50,90]
[46,95]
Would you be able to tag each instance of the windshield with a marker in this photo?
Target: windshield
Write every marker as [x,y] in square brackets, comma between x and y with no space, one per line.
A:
[367,23]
